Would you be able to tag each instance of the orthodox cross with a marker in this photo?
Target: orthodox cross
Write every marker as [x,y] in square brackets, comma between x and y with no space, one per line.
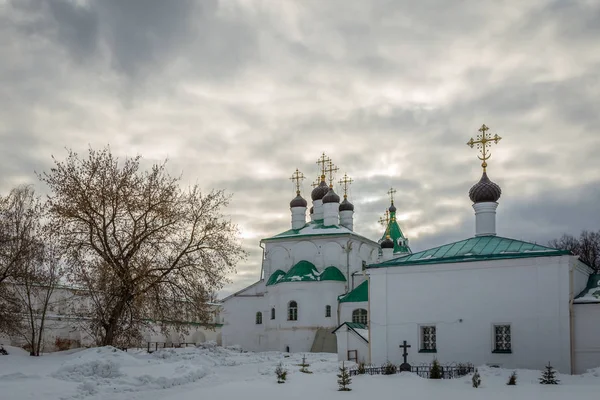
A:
[484,142]
[322,162]
[297,177]
[405,366]
[345,181]
[330,170]
[316,183]
[385,220]
[391,193]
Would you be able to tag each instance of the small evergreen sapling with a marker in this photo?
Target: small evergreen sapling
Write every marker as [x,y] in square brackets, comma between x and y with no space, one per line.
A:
[344,379]
[389,368]
[549,376]
[362,369]
[281,373]
[512,381]
[435,372]
[304,366]
[476,379]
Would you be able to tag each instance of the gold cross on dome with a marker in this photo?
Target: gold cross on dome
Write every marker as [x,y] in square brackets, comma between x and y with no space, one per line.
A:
[297,177]
[322,162]
[330,170]
[385,220]
[484,142]
[345,181]
[391,193]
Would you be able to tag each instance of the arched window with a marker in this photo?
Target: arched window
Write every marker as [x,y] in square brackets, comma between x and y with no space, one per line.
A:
[360,316]
[258,318]
[327,311]
[293,311]
[273,313]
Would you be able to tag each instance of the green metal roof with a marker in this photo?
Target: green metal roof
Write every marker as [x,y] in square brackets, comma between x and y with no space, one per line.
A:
[305,271]
[360,293]
[591,293]
[353,326]
[315,228]
[393,229]
[474,249]
[275,277]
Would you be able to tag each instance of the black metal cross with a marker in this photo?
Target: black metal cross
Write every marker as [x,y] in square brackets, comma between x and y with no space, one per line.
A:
[404,346]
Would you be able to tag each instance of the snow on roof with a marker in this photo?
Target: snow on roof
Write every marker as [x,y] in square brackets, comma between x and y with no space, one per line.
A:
[591,294]
[305,271]
[316,228]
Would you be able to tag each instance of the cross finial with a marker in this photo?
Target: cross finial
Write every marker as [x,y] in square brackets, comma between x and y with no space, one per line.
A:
[316,182]
[330,170]
[484,142]
[297,177]
[345,181]
[385,220]
[391,193]
[323,162]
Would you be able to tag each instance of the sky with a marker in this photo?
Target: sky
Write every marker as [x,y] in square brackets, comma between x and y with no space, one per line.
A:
[238,94]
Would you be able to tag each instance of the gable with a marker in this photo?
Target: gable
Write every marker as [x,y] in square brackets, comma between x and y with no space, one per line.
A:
[474,249]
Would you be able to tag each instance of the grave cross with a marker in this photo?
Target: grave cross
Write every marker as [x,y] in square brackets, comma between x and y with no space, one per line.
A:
[405,366]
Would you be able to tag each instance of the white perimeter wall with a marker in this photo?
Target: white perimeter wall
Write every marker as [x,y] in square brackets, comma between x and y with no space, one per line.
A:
[587,336]
[464,301]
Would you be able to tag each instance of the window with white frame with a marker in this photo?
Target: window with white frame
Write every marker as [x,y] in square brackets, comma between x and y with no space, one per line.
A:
[360,316]
[428,338]
[327,311]
[293,311]
[502,339]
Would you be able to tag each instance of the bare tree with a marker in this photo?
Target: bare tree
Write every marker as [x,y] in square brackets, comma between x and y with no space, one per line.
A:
[143,248]
[587,247]
[19,221]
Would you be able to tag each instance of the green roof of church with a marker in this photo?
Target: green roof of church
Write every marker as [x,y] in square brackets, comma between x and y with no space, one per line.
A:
[393,229]
[360,293]
[474,249]
[305,271]
[315,228]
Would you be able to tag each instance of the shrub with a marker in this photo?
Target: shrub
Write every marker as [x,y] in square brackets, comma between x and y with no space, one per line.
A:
[476,379]
[389,368]
[362,369]
[435,372]
[549,376]
[512,381]
[281,373]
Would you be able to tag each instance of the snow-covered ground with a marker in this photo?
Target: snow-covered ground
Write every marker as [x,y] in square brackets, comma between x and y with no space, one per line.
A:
[221,374]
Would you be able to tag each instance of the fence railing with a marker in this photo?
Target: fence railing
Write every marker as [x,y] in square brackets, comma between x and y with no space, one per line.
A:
[154,346]
[451,371]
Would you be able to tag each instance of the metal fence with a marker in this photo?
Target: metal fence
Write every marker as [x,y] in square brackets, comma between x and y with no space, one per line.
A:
[451,371]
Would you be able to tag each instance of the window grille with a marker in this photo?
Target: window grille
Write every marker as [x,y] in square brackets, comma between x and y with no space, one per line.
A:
[502,338]
[428,338]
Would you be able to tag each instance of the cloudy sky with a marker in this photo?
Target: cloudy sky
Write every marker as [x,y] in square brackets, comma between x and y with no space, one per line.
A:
[237,94]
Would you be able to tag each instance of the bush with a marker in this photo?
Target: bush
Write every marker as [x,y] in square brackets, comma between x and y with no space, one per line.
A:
[549,376]
[281,373]
[435,372]
[476,379]
[304,366]
[512,381]
[344,379]
[66,344]
[362,369]
[463,369]
[389,368]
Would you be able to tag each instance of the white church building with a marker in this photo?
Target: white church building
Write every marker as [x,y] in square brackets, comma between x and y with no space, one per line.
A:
[486,299]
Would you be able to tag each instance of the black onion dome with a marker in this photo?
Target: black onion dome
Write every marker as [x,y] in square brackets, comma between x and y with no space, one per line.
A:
[392,208]
[331,197]
[485,191]
[319,191]
[346,206]
[387,243]
[298,201]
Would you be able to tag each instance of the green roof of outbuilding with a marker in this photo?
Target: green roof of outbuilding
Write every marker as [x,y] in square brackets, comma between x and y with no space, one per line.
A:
[305,271]
[358,294]
[474,249]
[591,293]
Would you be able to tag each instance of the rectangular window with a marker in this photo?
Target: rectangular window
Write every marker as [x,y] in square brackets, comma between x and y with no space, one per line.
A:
[327,311]
[428,339]
[502,339]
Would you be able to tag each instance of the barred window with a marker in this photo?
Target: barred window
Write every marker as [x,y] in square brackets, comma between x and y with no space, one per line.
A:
[360,316]
[502,338]
[428,338]
[327,311]
[258,318]
[293,311]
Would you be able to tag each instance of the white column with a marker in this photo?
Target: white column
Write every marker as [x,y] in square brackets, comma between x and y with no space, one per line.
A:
[347,219]
[298,217]
[330,214]
[485,218]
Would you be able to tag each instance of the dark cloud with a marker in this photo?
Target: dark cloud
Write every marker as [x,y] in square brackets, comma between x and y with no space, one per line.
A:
[239,94]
